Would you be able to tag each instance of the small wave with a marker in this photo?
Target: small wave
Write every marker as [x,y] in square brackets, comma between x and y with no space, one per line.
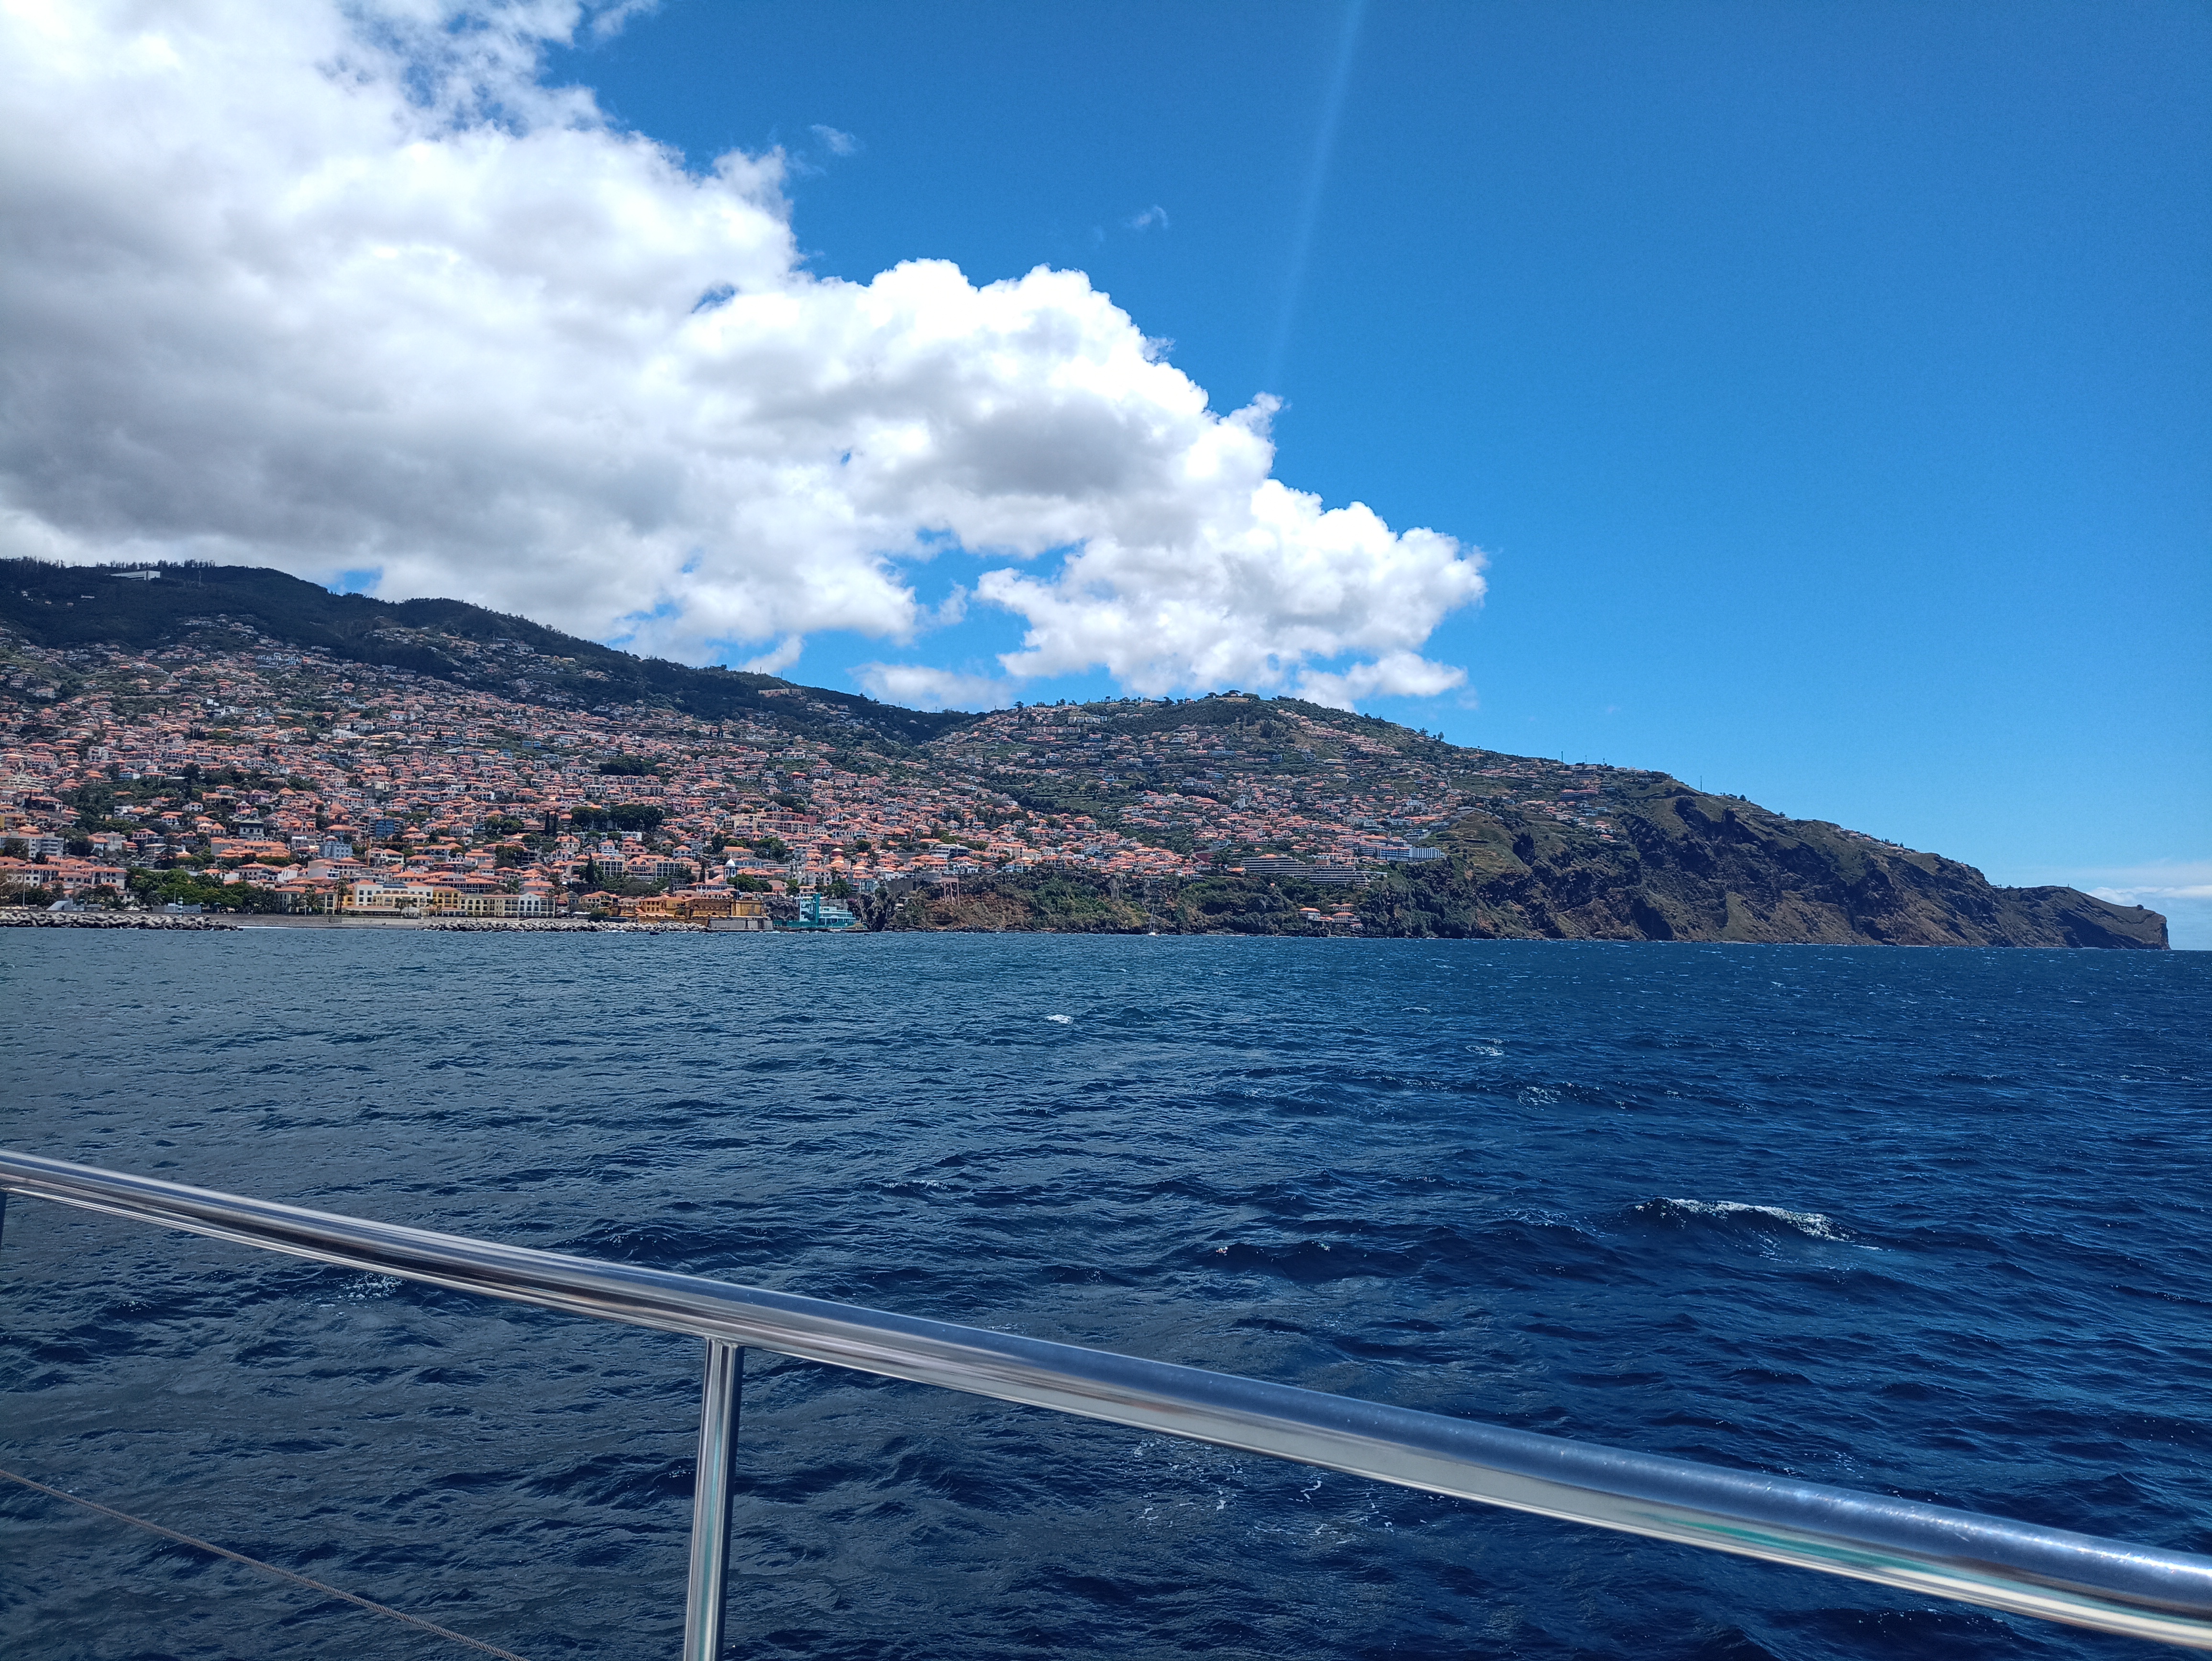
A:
[361,1288]
[1683,1214]
[1064,1020]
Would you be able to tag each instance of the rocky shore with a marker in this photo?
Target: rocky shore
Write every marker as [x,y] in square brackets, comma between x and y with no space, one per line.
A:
[24,916]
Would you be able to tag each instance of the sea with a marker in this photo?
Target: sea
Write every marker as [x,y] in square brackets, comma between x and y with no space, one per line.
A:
[1929,1223]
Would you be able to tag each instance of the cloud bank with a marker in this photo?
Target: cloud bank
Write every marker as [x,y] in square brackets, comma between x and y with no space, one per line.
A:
[346,288]
[2182,889]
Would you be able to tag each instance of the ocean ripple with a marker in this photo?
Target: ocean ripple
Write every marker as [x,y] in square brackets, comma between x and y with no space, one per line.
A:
[1933,1223]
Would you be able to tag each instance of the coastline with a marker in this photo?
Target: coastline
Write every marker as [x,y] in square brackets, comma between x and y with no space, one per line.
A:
[27,917]
[476,925]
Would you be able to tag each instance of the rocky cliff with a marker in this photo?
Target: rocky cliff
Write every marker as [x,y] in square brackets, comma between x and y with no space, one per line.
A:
[1683,865]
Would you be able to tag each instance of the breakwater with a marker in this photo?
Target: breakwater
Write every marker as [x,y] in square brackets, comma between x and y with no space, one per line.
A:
[22,916]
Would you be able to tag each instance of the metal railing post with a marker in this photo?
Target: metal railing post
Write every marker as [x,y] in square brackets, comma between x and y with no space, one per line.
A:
[710,1501]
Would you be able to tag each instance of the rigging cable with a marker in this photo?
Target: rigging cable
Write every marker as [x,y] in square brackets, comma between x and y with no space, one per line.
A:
[266,1568]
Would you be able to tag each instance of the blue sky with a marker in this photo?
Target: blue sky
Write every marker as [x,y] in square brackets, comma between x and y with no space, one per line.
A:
[1831,387]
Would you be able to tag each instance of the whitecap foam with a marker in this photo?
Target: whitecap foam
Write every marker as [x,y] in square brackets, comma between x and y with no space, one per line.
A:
[1811,1223]
[1064,1020]
[361,1288]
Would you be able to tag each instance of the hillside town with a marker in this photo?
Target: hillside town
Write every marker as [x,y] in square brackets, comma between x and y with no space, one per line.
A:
[182,740]
[236,770]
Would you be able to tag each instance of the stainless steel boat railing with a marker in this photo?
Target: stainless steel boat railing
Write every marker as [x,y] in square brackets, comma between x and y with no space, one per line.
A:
[2019,1567]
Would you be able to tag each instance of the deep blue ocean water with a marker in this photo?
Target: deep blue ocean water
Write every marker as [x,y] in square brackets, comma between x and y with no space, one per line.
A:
[1933,1223]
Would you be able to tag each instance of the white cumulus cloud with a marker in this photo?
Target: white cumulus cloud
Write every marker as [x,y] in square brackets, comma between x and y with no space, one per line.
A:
[778,658]
[345,287]
[918,687]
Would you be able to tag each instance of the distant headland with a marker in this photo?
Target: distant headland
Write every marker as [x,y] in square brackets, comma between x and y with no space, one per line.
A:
[237,740]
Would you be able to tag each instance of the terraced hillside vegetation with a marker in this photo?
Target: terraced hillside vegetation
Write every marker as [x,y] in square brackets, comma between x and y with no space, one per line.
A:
[1673,864]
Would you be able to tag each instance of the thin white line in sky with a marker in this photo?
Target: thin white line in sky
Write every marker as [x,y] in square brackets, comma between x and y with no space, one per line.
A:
[1347,48]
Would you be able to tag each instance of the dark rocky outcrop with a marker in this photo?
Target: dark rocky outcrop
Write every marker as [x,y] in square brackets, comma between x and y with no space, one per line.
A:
[1684,866]
[1693,869]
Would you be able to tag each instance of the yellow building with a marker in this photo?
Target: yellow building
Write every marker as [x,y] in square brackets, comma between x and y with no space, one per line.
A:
[496,905]
[715,907]
[383,897]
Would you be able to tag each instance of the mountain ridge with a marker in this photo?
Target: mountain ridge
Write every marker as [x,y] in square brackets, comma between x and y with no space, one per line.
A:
[424,636]
[1450,841]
